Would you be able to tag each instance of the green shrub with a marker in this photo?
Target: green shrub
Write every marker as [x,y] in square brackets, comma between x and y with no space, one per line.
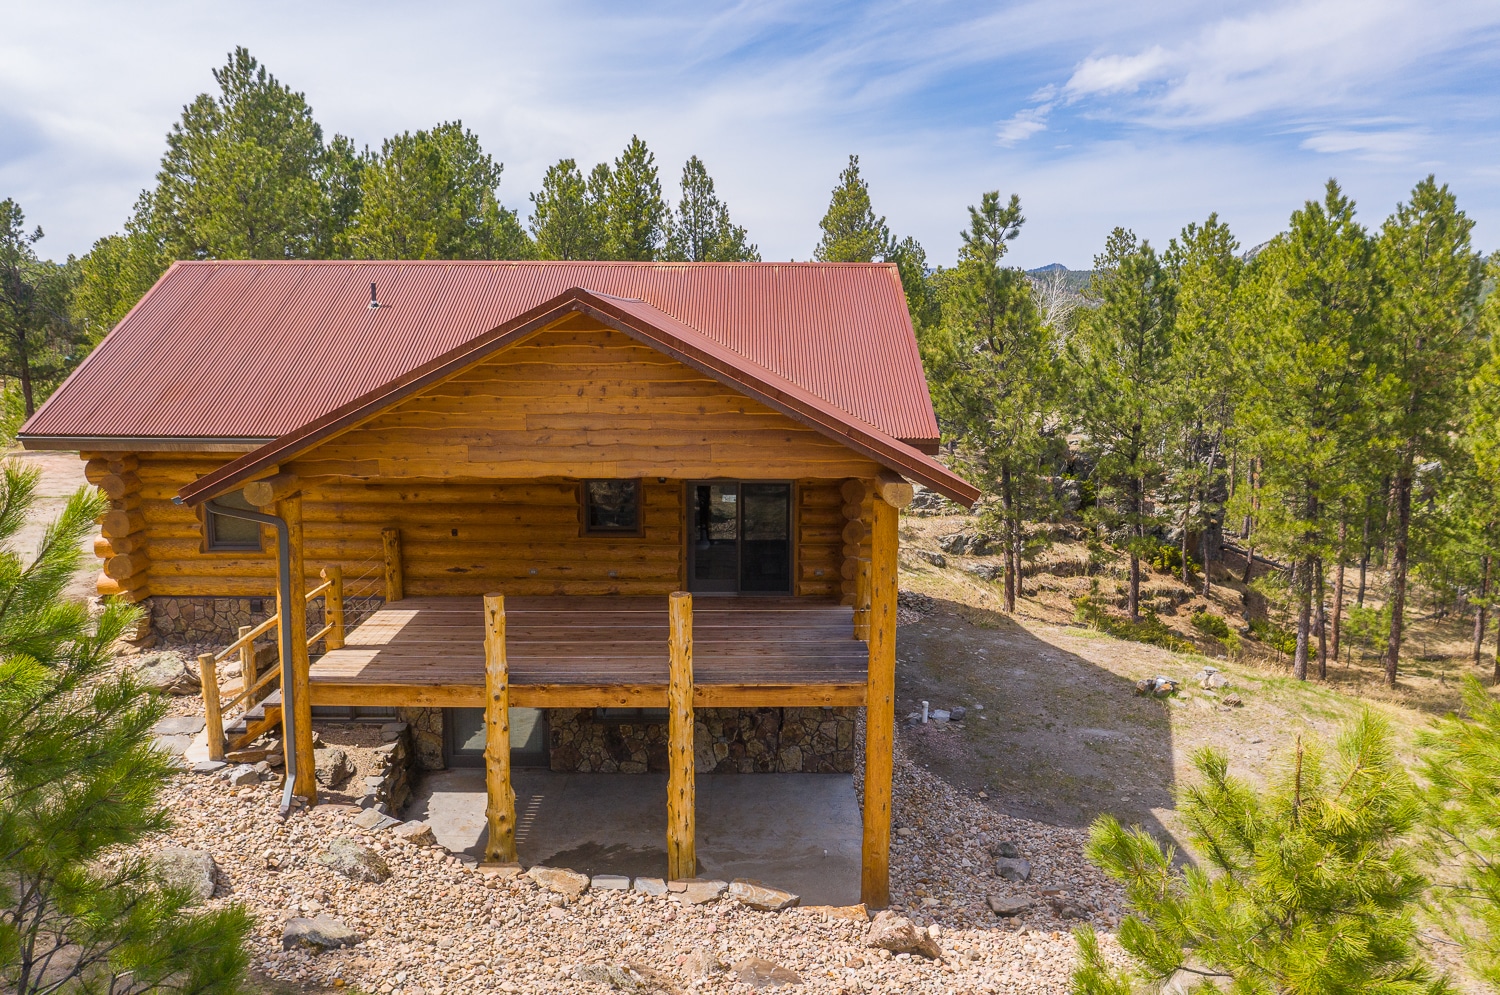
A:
[1367,627]
[1273,635]
[1150,629]
[1215,627]
[1168,560]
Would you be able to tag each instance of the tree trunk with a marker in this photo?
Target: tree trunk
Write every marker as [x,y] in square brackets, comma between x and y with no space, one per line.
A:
[1398,570]
[1207,578]
[1364,557]
[1137,507]
[1338,605]
[1481,609]
[1007,499]
[24,375]
[1015,557]
[1187,578]
[1322,623]
[1303,587]
[1249,518]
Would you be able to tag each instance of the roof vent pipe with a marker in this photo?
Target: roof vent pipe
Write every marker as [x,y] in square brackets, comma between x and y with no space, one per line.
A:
[374,303]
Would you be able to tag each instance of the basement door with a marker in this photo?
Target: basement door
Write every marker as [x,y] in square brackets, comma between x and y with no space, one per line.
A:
[463,737]
[740,537]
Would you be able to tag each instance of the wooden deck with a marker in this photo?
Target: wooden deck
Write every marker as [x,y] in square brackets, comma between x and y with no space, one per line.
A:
[592,652]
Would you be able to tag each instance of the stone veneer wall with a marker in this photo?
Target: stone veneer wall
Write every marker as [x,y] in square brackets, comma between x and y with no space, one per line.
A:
[208,620]
[427,734]
[725,741]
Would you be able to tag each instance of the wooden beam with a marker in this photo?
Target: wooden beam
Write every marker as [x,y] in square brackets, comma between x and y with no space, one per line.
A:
[117,485]
[333,607]
[500,807]
[880,710]
[336,691]
[682,855]
[294,615]
[394,582]
[247,660]
[894,489]
[213,719]
[272,490]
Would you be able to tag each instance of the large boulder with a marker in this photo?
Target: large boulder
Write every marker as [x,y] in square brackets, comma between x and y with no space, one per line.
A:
[418,833]
[166,672]
[1017,869]
[186,868]
[333,768]
[355,862]
[900,935]
[317,934]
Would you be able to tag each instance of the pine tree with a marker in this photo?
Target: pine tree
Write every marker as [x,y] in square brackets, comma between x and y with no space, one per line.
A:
[701,231]
[1206,271]
[117,272]
[1479,483]
[851,231]
[923,301]
[1460,760]
[1307,888]
[80,778]
[1120,365]
[630,204]
[1306,414]
[564,218]
[432,195]
[36,337]
[243,174]
[992,362]
[1426,355]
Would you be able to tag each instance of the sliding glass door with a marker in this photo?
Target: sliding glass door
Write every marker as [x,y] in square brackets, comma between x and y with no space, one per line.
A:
[740,537]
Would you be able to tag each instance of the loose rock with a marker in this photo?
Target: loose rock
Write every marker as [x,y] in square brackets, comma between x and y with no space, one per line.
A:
[418,833]
[333,768]
[900,935]
[355,862]
[757,972]
[185,867]
[317,934]
[166,672]
[758,896]
[650,886]
[610,882]
[699,891]
[1017,869]
[560,880]
[371,819]
[1008,907]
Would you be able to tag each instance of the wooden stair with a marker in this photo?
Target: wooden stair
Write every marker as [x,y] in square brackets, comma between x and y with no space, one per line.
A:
[255,722]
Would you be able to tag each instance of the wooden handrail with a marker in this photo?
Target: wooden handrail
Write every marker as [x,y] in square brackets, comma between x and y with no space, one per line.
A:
[270,675]
[213,710]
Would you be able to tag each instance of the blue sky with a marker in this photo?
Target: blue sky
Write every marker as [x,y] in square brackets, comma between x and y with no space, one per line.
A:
[1096,112]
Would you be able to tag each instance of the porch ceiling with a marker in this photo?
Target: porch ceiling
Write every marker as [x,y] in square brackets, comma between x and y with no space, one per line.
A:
[587,652]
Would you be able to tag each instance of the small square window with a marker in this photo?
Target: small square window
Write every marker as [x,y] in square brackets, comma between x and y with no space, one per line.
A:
[226,534]
[612,507]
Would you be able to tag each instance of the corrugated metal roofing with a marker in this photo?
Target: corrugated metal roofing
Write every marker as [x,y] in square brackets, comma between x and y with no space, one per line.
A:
[639,320]
[255,349]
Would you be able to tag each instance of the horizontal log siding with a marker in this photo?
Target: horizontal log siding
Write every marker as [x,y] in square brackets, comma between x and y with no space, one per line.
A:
[819,523]
[582,403]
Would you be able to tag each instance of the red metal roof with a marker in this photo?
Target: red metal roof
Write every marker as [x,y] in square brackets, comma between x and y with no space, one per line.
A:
[641,321]
[251,350]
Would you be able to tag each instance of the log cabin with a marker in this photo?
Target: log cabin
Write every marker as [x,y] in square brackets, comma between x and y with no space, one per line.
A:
[594,515]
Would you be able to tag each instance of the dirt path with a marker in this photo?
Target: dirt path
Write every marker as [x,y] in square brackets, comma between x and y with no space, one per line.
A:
[62,474]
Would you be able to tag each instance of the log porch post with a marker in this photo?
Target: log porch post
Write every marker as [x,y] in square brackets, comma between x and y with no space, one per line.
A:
[394,582]
[682,854]
[333,608]
[294,616]
[880,707]
[213,720]
[500,806]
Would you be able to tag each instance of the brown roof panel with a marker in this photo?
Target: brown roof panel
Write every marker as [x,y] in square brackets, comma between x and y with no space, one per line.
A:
[251,350]
[643,322]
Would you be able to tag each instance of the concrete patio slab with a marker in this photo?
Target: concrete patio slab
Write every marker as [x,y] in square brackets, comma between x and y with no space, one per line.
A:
[799,832]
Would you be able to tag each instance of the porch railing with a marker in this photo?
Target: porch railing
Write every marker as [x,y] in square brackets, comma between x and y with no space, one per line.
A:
[253,688]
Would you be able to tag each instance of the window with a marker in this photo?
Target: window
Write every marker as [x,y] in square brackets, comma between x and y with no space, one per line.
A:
[225,533]
[612,507]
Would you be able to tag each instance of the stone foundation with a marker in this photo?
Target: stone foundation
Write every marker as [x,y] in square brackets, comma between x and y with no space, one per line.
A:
[207,621]
[389,789]
[427,735]
[725,741]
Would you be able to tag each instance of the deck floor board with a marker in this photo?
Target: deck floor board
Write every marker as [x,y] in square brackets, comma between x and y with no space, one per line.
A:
[577,651]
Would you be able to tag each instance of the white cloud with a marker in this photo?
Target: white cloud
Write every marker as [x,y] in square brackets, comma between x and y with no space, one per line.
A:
[1117,73]
[1023,125]
[1387,145]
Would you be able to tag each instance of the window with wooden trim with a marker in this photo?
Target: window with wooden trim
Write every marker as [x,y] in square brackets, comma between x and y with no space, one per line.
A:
[223,534]
[612,507]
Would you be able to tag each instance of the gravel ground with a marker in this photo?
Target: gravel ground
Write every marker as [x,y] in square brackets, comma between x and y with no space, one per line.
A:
[438,925]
